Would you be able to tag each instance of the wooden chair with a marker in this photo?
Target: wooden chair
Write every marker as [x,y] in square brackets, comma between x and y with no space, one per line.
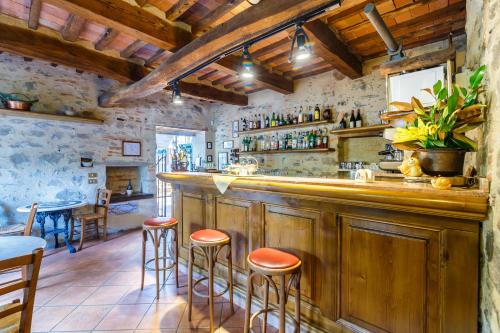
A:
[100,212]
[19,228]
[16,316]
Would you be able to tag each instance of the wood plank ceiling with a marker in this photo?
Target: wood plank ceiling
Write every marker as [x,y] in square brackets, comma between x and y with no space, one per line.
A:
[133,38]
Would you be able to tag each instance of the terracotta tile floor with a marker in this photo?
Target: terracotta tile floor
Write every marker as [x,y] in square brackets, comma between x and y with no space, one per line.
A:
[98,290]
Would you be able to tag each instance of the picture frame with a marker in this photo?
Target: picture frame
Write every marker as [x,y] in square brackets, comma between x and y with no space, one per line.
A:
[131,148]
[236,126]
[210,159]
[228,144]
[222,160]
[235,135]
[209,145]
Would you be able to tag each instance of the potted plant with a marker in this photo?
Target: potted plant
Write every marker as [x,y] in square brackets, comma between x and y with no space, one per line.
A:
[437,133]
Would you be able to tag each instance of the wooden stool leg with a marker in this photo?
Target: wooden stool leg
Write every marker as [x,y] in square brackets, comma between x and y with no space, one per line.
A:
[176,240]
[248,306]
[230,275]
[211,287]
[297,301]
[190,281]
[266,305]
[82,234]
[164,233]
[157,271]
[144,239]
[282,304]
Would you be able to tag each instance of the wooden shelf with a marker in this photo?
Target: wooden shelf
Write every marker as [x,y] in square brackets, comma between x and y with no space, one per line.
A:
[49,116]
[315,150]
[360,132]
[286,127]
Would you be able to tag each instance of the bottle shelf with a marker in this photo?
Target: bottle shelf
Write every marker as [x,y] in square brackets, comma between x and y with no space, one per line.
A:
[291,151]
[286,127]
[360,132]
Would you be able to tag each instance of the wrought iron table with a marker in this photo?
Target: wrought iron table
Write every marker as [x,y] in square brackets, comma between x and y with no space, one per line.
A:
[55,210]
[17,246]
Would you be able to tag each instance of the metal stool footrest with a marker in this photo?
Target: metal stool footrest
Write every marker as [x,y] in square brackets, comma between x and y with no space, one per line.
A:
[197,293]
[160,259]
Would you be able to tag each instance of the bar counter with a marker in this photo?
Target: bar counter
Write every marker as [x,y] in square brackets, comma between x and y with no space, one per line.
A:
[375,255]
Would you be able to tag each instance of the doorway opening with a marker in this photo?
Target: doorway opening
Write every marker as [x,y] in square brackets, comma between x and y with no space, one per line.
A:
[176,150]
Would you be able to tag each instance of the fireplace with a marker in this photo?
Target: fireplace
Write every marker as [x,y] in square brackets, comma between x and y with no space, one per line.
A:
[118,178]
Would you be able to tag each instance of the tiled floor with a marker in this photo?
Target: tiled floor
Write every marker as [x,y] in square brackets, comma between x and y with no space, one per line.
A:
[98,290]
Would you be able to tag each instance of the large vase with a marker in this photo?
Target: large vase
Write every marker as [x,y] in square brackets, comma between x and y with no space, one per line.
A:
[441,162]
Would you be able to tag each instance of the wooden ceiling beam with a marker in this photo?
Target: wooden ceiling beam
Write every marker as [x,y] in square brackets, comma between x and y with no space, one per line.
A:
[130,50]
[125,17]
[327,45]
[34,17]
[178,9]
[141,3]
[271,48]
[222,80]
[251,23]
[36,45]
[73,27]
[314,72]
[267,79]
[156,57]
[204,24]
[207,75]
[106,39]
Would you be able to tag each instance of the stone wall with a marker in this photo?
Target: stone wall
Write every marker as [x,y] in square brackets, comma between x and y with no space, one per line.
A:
[483,47]
[40,159]
[367,93]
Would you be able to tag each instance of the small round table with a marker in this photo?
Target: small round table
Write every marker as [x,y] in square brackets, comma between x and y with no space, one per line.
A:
[17,246]
[54,210]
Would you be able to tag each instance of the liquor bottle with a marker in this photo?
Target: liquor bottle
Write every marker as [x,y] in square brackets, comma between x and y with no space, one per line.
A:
[295,116]
[282,120]
[243,124]
[290,142]
[305,143]
[352,120]
[311,140]
[273,120]
[257,122]
[250,123]
[327,113]
[359,121]
[318,139]
[301,116]
[294,140]
[317,113]
[324,139]
[262,121]
[267,123]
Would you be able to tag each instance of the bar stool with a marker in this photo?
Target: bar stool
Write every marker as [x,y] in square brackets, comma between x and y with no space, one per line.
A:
[210,242]
[157,228]
[267,263]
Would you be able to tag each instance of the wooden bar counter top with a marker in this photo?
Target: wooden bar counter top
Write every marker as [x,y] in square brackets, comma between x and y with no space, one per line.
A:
[385,256]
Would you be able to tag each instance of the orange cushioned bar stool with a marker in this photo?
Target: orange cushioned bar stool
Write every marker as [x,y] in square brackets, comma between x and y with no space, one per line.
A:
[210,242]
[268,263]
[158,229]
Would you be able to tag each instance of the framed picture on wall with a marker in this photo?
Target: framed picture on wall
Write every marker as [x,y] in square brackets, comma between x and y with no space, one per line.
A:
[228,144]
[222,160]
[210,159]
[236,128]
[131,148]
[209,144]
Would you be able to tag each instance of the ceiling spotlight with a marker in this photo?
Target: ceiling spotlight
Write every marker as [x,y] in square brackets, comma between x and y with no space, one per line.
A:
[301,46]
[253,2]
[176,94]
[247,67]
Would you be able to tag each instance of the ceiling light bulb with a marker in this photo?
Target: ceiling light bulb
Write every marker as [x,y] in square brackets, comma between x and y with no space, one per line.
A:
[301,48]
[176,94]
[247,65]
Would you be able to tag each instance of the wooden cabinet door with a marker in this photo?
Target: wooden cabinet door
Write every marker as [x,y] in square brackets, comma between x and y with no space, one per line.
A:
[389,276]
[193,216]
[240,219]
[298,231]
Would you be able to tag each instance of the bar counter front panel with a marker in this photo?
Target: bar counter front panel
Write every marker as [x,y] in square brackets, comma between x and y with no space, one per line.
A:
[378,264]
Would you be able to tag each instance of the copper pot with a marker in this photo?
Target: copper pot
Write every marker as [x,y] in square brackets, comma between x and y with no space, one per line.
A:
[441,162]
[18,102]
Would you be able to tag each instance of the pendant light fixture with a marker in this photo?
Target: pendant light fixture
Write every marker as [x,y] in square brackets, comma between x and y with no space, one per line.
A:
[176,94]
[301,47]
[247,71]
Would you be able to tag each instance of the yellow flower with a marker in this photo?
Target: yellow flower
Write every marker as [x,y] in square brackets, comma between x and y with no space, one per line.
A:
[432,129]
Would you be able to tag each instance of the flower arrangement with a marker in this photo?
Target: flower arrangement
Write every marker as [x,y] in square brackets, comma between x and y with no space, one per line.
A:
[443,124]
